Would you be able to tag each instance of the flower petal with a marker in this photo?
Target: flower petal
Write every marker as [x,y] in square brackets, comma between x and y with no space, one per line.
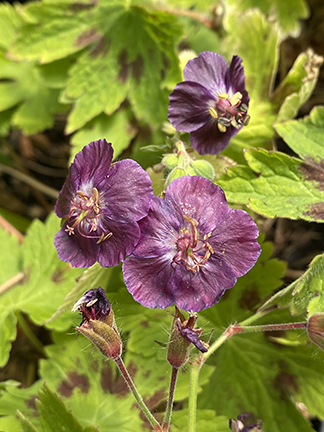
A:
[197,291]
[209,140]
[208,69]
[127,192]
[122,242]
[159,230]
[234,241]
[200,199]
[93,162]
[235,78]
[75,249]
[149,280]
[189,106]
[193,338]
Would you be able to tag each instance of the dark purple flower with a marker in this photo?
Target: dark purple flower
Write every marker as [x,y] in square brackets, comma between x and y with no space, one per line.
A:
[100,205]
[98,322]
[211,103]
[93,305]
[192,247]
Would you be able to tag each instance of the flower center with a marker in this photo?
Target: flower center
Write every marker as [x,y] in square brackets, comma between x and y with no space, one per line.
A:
[230,112]
[193,250]
[84,214]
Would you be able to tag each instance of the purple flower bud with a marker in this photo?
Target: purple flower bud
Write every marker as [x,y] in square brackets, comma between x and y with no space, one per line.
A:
[192,248]
[98,323]
[100,204]
[183,334]
[315,329]
[211,103]
[240,425]
[93,305]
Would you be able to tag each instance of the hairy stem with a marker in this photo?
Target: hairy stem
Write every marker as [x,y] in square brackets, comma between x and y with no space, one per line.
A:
[168,411]
[124,372]
[193,391]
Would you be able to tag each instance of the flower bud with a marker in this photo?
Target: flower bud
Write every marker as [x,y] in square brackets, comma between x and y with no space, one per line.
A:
[182,335]
[98,323]
[240,425]
[170,161]
[203,168]
[315,329]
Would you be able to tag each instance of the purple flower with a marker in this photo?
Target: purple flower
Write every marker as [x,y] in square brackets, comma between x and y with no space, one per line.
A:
[192,248]
[100,205]
[93,305]
[211,103]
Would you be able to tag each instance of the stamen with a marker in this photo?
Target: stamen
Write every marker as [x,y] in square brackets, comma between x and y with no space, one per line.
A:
[104,237]
[223,96]
[246,120]
[221,127]
[236,99]
[91,302]
[213,112]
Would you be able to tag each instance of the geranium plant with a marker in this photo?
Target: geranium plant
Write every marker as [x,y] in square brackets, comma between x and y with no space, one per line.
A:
[158,234]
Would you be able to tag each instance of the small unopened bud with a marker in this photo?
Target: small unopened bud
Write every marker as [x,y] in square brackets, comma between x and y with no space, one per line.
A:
[315,329]
[240,425]
[203,168]
[182,335]
[98,323]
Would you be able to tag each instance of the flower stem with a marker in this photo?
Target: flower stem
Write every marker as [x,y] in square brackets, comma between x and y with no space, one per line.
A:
[268,327]
[30,335]
[193,391]
[168,411]
[122,368]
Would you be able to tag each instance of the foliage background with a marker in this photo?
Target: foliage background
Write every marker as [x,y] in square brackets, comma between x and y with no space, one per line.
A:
[73,72]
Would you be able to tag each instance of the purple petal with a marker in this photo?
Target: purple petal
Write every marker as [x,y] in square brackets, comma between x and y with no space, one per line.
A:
[200,199]
[234,241]
[127,192]
[68,191]
[75,249]
[208,69]
[121,243]
[197,291]
[93,162]
[209,140]
[159,230]
[189,106]
[149,281]
[90,165]
[193,338]
[235,78]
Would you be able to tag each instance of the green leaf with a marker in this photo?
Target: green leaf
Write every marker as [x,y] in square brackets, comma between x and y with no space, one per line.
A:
[24,86]
[305,295]
[276,185]
[54,416]
[287,13]
[206,420]
[47,281]
[116,128]
[298,85]
[249,291]
[54,31]
[256,40]
[253,375]
[10,266]
[126,62]
[10,21]
[305,136]
[26,425]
